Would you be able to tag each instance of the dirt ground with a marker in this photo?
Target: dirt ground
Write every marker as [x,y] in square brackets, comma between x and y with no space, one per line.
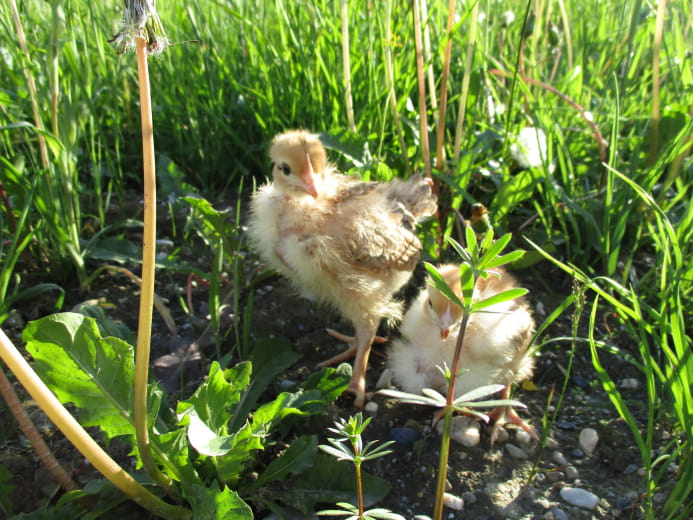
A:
[492,483]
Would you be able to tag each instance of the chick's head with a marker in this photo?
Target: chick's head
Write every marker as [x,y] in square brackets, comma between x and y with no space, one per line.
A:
[299,162]
[444,313]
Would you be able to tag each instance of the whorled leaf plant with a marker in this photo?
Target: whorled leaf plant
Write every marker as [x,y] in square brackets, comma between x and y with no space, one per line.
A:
[478,260]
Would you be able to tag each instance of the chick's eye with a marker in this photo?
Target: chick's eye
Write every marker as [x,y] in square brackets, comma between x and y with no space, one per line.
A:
[430,304]
[285,169]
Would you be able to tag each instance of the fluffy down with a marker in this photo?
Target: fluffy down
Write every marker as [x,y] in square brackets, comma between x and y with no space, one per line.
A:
[342,242]
[495,343]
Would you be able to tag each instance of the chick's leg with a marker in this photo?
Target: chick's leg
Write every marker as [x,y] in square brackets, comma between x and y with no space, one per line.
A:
[350,352]
[359,347]
[357,386]
[504,414]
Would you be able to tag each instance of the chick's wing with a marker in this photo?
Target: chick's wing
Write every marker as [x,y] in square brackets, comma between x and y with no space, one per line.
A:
[374,230]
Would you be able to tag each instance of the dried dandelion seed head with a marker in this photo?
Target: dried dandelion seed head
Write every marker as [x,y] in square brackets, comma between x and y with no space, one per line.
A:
[529,148]
[140,19]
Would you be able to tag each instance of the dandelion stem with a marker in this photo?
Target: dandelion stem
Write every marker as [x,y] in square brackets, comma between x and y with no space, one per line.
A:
[144,329]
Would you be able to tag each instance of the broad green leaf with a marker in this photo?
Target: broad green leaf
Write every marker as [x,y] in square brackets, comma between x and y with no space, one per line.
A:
[173,451]
[107,327]
[94,373]
[204,439]
[221,390]
[269,358]
[330,383]
[241,445]
[115,249]
[209,503]
[298,457]
[213,223]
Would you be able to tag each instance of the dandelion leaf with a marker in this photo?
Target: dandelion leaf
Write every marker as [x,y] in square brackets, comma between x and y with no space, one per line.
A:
[81,367]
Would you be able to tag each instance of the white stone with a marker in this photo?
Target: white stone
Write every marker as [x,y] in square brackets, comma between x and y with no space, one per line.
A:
[465,431]
[371,407]
[523,438]
[579,497]
[571,473]
[588,440]
[559,458]
[453,502]
[551,444]
[630,383]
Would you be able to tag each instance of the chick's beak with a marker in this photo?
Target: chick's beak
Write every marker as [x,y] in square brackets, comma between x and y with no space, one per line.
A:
[447,320]
[308,179]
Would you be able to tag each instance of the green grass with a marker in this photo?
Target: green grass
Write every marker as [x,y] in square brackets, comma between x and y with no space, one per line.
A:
[615,212]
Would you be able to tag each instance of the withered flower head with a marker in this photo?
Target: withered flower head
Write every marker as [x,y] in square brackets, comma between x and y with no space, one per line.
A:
[140,19]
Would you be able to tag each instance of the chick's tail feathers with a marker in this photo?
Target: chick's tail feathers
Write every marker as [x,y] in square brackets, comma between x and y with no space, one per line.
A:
[413,196]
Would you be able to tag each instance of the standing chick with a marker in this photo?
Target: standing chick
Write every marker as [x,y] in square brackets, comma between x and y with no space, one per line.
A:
[340,241]
[494,349]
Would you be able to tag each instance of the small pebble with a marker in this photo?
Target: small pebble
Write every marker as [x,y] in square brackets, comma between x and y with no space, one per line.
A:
[555,476]
[558,514]
[371,407]
[630,468]
[577,454]
[421,517]
[287,384]
[579,497]
[453,502]
[623,504]
[523,438]
[566,425]
[588,440]
[515,451]
[559,458]
[571,473]
[551,444]
[580,381]
[469,497]
[404,436]
[641,472]
[629,383]
[503,435]
[385,380]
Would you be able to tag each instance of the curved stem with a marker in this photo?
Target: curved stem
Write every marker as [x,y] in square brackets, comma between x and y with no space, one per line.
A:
[80,439]
[144,327]
[28,428]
